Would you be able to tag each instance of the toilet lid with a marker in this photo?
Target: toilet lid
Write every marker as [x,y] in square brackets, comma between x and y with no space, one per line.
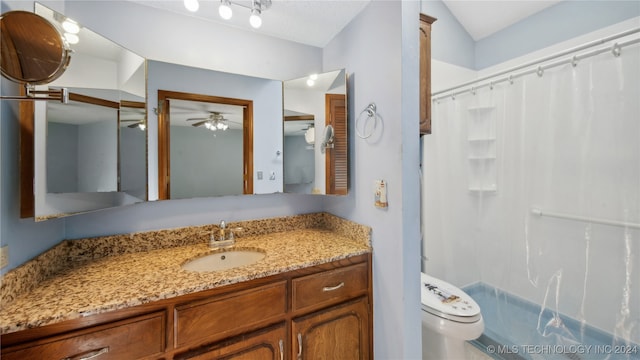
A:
[447,301]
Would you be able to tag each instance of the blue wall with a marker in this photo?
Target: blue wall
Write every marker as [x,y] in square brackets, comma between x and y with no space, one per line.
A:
[552,25]
[563,21]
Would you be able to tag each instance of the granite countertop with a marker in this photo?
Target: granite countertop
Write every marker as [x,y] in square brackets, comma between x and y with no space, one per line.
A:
[130,279]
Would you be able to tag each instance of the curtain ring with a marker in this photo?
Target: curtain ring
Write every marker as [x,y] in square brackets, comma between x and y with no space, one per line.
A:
[540,71]
[574,61]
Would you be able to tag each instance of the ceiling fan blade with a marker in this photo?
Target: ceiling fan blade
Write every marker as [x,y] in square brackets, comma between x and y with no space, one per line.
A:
[132,126]
[198,119]
[199,123]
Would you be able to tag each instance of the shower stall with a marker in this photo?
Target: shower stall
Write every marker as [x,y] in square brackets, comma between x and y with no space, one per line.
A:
[531,202]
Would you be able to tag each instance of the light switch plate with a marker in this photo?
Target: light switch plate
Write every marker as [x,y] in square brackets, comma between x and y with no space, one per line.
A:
[4,256]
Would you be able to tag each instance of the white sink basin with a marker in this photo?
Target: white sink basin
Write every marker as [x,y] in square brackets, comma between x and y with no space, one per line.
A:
[224,260]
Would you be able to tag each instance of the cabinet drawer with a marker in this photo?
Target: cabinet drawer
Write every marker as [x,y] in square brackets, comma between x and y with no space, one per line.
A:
[330,286]
[227,315]
[129,339]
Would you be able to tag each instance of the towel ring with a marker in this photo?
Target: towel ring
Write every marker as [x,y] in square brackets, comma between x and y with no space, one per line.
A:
[371,114]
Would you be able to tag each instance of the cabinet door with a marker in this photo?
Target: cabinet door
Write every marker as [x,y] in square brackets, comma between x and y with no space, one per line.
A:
[267,344]
[425,73]
[340,332]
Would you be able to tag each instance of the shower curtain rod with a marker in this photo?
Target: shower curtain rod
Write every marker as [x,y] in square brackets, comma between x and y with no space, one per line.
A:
[615,49]
[539,212]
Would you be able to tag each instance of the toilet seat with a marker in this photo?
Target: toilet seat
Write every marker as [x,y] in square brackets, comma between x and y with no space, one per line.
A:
[444,300]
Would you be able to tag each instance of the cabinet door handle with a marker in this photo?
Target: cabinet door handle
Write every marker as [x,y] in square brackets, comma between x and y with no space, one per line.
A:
[91,354]
[299,346]
[331,288]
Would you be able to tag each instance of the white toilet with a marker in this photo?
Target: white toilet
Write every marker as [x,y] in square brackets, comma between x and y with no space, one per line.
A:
[449,318]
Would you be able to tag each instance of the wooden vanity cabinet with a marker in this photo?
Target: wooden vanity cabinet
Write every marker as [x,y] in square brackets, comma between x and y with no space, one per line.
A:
[320,312]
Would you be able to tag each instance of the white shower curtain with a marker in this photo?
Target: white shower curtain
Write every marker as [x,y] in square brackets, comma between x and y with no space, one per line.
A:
[565,142]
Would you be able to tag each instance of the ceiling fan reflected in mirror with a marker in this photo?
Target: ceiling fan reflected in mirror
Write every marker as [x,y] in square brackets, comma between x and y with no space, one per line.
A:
[214,122]
[141,124]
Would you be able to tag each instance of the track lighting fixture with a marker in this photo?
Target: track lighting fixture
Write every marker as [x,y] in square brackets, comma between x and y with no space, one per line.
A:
[226,12]
[225,9]
[192,5]
[255,20]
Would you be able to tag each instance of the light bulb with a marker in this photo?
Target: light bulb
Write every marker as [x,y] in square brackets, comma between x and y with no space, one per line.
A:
[310,82]
[313,76]
[142,126]
[225,127]
[71,38]
[220,125]
[207,125]
[71,26]
[255,19]
[225,10]
[192,5]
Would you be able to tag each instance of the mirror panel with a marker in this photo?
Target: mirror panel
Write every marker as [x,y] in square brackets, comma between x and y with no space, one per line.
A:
[86,157]
[310,105]
[210,90]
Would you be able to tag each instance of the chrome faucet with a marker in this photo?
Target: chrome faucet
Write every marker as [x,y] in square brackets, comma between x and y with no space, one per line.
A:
[225,237]
[223,230]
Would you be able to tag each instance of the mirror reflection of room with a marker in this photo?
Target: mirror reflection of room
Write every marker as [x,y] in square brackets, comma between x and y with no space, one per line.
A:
[206,152]
[85,157]
[308,162]
[82,150]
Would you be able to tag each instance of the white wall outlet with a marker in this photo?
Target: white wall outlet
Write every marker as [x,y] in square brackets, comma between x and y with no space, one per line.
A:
[4,256]
[259,175]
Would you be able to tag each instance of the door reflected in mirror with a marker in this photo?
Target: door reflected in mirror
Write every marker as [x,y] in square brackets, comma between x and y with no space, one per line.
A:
[313,165]
[210,145]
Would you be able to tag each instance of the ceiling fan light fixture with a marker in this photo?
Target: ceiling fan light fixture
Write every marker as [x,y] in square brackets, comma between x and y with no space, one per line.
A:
[142,126]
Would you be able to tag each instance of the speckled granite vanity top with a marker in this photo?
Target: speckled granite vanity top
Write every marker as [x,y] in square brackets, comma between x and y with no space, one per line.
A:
[83,277]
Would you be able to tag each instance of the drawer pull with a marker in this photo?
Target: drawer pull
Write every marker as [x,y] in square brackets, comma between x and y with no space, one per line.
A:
[89,354]
[299,346]
[332,288]
[281,343]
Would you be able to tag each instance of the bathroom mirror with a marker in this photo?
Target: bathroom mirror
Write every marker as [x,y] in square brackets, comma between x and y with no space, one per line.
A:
[83,156]
[219,134]
[313,165]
